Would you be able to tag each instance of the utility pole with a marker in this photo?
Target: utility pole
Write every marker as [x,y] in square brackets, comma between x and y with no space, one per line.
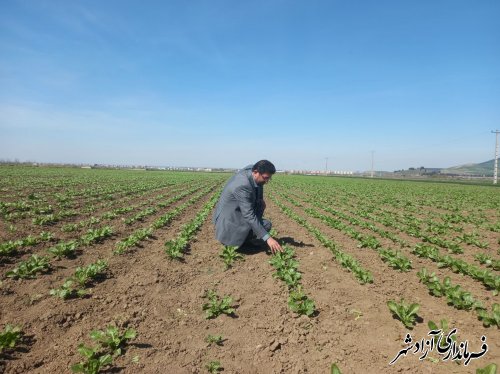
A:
[495,170]
[371,175]
[326,165]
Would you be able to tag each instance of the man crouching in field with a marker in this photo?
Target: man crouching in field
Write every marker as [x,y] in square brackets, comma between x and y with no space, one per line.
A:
[239,211]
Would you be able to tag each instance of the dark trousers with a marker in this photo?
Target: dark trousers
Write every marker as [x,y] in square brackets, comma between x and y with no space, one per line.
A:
[267,225]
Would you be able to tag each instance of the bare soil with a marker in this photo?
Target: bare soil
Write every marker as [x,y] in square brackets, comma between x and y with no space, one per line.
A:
[162,300]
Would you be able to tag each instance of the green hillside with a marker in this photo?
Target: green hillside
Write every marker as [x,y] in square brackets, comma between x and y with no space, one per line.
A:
[482,169]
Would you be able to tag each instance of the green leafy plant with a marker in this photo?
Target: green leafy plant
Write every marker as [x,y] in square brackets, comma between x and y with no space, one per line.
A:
[334,369]
[69,227]
[217,306]
[96,235]
[92,271]
[112,339]
[95,360]
[229,255]
[64,249]
[300,303]
[67,290]
[490,369]
[29,268]
[395,260]
[444,328]
[9,337]
[214,367]
[175,248]
[492,319]
[406,313]
[214,339]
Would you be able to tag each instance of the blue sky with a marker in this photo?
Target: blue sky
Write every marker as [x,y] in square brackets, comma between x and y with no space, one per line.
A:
[226,83]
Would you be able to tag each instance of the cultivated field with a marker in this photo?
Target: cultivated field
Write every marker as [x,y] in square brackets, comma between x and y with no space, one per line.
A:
[120,269]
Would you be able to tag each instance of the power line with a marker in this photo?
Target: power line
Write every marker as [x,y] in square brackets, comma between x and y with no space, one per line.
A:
[495,171]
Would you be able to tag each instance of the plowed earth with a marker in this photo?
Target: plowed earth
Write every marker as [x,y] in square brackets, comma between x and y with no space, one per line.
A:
[162,300]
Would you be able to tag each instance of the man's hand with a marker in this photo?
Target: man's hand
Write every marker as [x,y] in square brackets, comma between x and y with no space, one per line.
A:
[274,245]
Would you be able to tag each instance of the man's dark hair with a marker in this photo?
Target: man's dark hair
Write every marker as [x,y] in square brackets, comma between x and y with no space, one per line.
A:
[264,166]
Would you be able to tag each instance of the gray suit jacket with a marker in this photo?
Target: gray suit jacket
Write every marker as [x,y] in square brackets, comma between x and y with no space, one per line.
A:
[236,212]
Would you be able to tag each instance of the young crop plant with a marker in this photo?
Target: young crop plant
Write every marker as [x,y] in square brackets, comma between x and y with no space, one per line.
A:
[90,272]
[444,328]
[485,259]
[133,240]
[229,255]
[369,242]
[334,369]
[70,227]
[29,268]
[492,319]
[9,337]
[175,248]
[96,235]
[217,306]
[46,236]
[112,339]
[300,303]
[455,296]
[473,239]
[395,260]
[45,220]
[66,249]
[214,367]
[214,339]
[68,290]
[95,360]
[75,286]
[406,313]
[490,369]
[10,247]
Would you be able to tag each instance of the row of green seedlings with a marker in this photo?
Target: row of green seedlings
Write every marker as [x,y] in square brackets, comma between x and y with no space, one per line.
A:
[22,209]
[355,221]
[400,262]
[67,249]
[175,248]
[414,230]
[461,266]
[394,259]
[41,264]
[48,217]
[110,344]
[134,239]
[83,278]
[215,306]
[345,260]
[286,267]
[109,215]
[459,298]
[152,210]
[45,215]
[9,248]
[485,276]
[488,260]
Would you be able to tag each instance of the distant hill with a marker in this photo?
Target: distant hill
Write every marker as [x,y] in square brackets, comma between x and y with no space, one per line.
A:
[482,169]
